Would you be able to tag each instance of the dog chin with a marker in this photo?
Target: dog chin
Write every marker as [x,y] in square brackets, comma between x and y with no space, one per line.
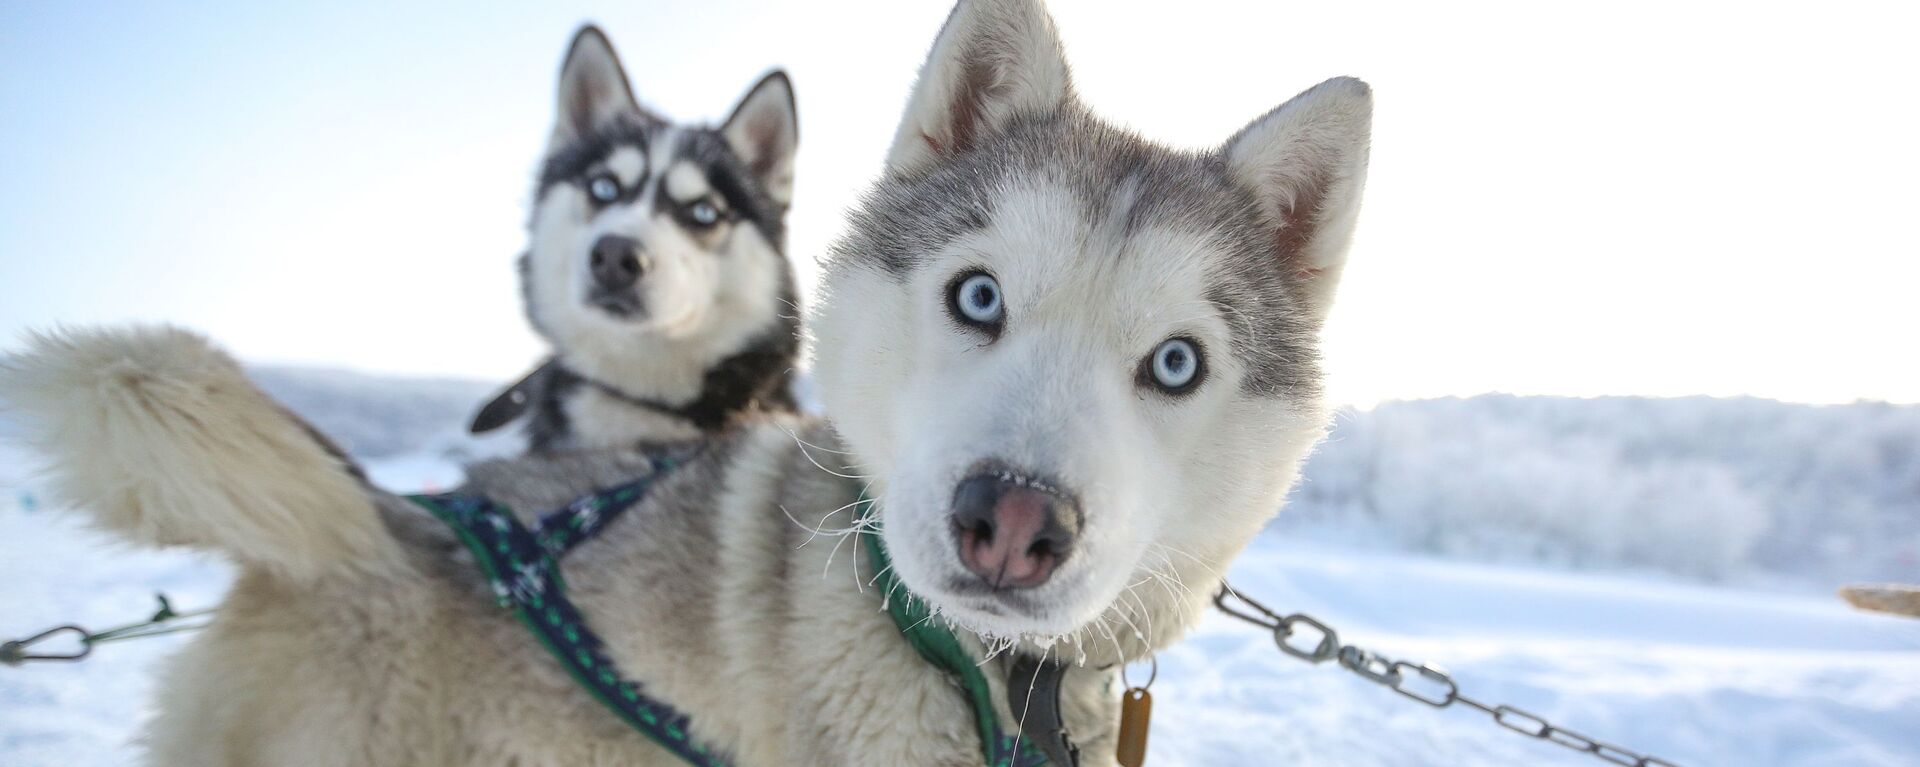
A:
[632,317]
[680,325]
[1004,615]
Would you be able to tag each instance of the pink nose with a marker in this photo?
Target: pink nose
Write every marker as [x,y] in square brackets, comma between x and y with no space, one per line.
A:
[1011,531]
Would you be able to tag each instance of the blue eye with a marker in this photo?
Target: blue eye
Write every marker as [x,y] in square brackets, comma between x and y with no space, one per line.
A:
[977,301]
[704,213]
[604,189]
[1174,366]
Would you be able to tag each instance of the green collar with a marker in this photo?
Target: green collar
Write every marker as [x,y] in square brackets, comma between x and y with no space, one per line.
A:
[940,647]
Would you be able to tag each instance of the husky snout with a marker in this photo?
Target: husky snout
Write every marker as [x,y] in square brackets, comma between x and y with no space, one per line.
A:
[1013,531]
[616,264]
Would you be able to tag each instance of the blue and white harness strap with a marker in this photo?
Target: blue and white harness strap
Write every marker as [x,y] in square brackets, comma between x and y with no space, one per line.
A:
[523,567]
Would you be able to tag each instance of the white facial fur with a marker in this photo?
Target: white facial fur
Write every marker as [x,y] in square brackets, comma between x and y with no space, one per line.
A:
[710,290]
[1057,395]
[703,292]
[1170,487]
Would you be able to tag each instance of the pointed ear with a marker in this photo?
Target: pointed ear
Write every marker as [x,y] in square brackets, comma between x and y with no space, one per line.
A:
[593,87]
[765,131]
[1306,162]
[994,59]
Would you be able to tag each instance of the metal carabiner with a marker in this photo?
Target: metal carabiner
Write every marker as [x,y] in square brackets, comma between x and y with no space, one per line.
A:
[15,652]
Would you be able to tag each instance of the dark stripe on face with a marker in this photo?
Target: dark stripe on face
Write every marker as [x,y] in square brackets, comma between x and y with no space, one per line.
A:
[570,163]
[731,181]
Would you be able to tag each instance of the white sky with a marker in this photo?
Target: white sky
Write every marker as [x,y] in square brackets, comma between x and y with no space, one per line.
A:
[1629,198]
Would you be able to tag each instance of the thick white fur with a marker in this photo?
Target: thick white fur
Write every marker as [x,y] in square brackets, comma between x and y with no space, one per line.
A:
[163,438]
[1171,489]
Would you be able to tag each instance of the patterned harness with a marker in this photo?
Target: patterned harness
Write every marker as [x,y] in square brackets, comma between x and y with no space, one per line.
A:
[522,565]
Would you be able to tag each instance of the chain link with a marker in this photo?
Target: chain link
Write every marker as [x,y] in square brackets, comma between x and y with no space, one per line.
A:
[1308,639]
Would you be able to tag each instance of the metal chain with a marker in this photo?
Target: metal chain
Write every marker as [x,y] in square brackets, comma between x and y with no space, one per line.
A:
[19,651]
[1319,643]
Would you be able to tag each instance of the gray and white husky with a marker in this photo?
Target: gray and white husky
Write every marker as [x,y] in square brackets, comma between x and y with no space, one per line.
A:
[657,269]
[1072,371]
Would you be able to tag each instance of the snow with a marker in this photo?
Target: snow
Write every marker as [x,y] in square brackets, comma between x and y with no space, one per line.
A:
[1652,573]
[1698,675]
[1717,490]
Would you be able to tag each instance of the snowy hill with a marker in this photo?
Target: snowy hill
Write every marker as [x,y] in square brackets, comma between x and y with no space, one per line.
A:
[1717,489]
[1649,572]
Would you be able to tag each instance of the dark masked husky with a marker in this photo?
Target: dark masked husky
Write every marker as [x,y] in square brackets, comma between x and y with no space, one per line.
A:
[657,269]
[1070,372]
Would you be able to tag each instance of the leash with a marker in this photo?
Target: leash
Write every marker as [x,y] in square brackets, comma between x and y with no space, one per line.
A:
[1319,643]
[18,652]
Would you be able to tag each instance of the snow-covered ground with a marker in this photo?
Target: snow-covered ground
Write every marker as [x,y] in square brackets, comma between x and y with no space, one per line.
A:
[1728,656]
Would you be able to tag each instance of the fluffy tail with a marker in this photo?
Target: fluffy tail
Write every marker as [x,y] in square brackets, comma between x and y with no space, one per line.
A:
[161,437]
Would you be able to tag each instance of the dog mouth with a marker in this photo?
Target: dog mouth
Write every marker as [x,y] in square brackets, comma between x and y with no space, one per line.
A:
[980,606]
[973,595]
[623,305]
[635,313]
[997,612]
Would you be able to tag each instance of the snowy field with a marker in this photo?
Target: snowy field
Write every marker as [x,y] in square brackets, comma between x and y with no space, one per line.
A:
[1656,574]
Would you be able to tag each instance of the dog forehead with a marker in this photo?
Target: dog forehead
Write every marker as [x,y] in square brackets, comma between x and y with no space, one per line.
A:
[1047,240]
[686,181]
[1150,244]
[628,163]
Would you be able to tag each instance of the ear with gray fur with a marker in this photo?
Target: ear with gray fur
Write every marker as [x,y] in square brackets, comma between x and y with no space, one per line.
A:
[994,59]
[765,131]
[1307,162]
[593,87]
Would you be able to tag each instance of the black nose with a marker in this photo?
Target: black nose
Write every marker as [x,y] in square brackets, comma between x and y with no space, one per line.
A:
[616,262]
[1011,530]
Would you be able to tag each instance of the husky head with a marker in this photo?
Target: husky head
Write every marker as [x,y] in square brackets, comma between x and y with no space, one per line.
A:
[656,247]
[1074,362]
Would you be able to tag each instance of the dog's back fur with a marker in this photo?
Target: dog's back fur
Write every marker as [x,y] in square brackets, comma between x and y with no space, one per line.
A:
[359,631]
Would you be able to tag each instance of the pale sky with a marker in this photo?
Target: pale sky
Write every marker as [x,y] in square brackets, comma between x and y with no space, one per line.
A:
[1620,198]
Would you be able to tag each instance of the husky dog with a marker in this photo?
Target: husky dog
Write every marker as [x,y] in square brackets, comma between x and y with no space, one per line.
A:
[656,268]
[1072,373]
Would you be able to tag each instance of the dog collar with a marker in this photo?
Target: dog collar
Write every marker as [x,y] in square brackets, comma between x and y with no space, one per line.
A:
[515,400]
[1033,687]
[730,386]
